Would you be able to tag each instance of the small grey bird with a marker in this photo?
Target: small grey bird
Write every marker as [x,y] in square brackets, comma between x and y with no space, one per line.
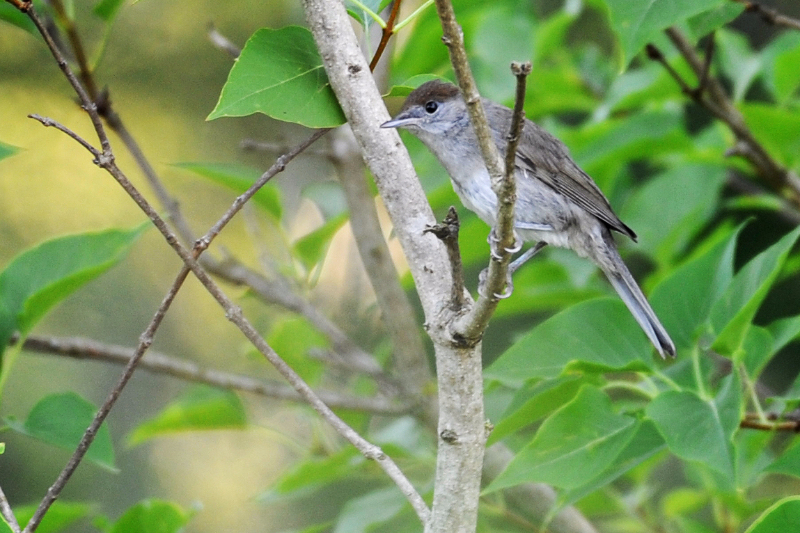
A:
[557,202]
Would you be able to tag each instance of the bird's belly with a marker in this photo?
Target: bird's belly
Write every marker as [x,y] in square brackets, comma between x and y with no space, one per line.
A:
[541,214]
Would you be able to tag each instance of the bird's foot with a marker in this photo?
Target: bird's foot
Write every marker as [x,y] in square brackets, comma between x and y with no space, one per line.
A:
[494,242]
[503,295]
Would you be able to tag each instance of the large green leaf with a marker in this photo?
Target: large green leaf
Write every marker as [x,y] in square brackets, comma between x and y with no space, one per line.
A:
[38,278]
[782,517]
[61,420]
[705,278]
[643,445]
[672,207]
[577,443]
[279,73]
[534,402]
[152,516]
[699,430]
[637,23]
[732,315]
[599,334]
[200,408]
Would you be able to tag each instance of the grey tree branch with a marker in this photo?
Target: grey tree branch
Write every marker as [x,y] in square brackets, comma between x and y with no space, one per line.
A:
[88,349]
[461,422]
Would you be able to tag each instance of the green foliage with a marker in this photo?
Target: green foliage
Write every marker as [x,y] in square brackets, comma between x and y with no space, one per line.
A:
[279,73]
[7,150]
[574,389]
[238,179]
[638,23]
[61,420]
[39,278]
[152,516]
[200,408]
[60,516]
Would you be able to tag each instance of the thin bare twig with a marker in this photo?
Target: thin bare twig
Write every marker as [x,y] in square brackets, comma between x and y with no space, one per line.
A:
[7,513]
[388,31]
[447,232]
[713,97]
[145,341]
[770,15]
[88,349]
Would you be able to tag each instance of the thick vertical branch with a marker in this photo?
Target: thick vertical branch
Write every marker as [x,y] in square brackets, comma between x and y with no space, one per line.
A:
[461,420]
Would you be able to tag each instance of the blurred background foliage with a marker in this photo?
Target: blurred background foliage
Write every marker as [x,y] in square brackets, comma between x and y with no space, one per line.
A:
[659,158]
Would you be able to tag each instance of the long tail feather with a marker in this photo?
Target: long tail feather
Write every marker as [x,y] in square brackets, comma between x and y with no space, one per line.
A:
[631,294]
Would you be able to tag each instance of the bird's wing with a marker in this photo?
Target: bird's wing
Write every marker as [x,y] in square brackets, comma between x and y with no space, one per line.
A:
[548,160]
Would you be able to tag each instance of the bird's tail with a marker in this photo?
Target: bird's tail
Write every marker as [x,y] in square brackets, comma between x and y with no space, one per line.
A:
[623,282]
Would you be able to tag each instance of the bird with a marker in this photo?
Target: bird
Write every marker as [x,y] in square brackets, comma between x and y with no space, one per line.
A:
[557,202]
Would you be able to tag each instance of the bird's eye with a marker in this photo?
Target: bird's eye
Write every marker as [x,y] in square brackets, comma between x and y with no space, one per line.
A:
[431,107]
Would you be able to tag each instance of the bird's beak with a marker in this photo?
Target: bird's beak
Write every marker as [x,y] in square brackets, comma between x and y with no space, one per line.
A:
[399,121]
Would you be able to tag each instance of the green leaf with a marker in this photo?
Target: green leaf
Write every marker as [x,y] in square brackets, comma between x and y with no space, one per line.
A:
[578,442]
[738,61]
[61,420]
[107,9]
[152,516]
[293,337]
[38,278]
[405,88]
[200,408]
[695,430]
[644,444]
[316,472]
[670,209]
[238,179]
[279,73]
[784,331]
[534,402]
[357,12]
[600,333]
[788,463]
[60,515]
[705,277]
[360,514]
[783,516]
[713,19]
[312,247]
[6,150]
[777,128]
[787,79]
[732,314]
[637,23]
[17,18]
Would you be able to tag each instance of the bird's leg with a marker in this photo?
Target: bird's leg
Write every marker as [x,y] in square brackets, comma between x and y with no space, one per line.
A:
[513,267]
[521,260]
[493,241]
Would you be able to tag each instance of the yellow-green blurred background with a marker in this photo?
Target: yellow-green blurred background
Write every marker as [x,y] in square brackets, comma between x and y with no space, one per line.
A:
[164,78]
